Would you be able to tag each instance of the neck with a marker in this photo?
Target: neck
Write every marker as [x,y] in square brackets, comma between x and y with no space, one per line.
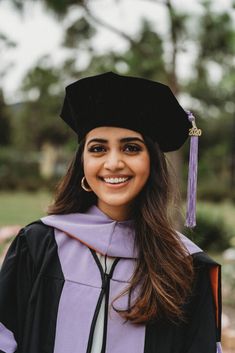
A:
[117,213]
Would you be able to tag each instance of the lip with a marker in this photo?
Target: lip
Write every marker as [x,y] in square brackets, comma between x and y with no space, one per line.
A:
[115,176]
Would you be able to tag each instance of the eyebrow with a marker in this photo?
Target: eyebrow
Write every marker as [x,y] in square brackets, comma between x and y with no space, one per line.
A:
[124,139]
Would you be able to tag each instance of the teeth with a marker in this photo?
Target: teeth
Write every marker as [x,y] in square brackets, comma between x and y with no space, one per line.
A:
[115,180]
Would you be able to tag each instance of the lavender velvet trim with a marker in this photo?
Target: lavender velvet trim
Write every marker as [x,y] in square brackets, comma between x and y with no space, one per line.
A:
[219,348]
[7,340]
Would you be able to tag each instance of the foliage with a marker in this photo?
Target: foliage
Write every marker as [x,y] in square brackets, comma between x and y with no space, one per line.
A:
[144,59]
[221,46]
[59,7]
[21,172]
[36,121]
[5,44]
[79,34]
[210,88]
[149,46]
[213,98]
[215,229]
[5,128]
[228,283]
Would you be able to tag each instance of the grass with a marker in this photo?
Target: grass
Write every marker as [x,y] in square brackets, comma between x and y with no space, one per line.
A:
[22,207]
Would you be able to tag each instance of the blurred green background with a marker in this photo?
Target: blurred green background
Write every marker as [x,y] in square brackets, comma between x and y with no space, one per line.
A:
[35,146]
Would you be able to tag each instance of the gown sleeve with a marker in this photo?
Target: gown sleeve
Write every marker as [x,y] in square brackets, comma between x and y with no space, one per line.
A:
[16,278]
[204,332]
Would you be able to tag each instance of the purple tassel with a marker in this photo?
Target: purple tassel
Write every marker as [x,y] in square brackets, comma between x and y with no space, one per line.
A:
[194,132]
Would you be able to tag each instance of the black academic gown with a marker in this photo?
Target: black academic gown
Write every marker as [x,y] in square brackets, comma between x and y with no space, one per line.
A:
[31,283]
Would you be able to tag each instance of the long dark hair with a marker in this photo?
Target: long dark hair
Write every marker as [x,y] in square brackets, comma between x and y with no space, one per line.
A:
[163,271]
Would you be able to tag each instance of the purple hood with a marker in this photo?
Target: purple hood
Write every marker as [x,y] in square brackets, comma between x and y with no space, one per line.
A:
[103,234]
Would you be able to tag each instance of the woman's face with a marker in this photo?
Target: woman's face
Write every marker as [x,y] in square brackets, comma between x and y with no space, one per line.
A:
[116,167]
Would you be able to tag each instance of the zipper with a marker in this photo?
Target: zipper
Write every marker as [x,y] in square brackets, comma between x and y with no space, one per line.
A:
[105,277]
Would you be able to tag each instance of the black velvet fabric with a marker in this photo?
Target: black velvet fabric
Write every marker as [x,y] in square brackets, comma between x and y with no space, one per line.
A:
[31,282]
[134,103]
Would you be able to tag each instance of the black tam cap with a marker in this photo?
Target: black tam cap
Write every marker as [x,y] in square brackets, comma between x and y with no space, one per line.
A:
[134,103]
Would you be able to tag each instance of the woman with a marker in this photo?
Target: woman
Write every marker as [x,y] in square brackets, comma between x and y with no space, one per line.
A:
[105,271]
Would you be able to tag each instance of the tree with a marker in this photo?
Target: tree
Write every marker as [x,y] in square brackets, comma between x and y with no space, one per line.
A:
[5,128]
[5,44]
[213,37]
[35,123]
[216,35]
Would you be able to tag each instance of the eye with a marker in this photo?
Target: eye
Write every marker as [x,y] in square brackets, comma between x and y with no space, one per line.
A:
[97,148]
[132,148]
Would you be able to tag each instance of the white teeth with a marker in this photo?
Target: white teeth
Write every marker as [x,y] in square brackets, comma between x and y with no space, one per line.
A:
[115,180]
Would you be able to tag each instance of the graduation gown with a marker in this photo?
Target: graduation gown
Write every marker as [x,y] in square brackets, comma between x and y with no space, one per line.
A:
[53,288]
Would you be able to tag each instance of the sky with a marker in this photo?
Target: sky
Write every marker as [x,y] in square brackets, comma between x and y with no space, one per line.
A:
[37,32]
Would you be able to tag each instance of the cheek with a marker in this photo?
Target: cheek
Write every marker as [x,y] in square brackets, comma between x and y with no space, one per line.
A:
[90,167]
[142,167]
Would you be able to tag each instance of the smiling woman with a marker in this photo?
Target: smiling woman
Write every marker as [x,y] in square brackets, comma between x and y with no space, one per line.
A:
[116,167]
[105,271]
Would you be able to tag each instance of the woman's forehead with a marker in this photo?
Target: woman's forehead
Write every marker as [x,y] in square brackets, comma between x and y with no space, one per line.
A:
[111,132]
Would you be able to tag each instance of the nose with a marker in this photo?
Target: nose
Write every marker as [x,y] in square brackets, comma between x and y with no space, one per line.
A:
[114,161]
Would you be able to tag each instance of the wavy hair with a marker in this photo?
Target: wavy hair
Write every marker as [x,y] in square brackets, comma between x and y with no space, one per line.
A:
[164,270]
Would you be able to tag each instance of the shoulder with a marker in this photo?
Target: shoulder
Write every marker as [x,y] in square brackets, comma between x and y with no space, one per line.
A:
[200,258]
[207,275]
[39,238]
[36,231]
[36,227]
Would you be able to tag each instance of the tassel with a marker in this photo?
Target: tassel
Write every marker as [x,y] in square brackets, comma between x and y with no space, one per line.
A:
[194,132]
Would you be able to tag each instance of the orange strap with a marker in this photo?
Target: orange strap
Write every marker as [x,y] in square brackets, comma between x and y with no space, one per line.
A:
[214,277]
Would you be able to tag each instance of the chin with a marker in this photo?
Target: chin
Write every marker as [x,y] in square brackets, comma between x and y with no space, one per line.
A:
[116,203]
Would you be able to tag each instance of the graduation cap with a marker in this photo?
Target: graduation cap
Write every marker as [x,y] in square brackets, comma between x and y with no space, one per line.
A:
[135,103]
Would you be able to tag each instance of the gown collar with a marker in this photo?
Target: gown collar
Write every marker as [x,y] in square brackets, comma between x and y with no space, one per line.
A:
[98,231]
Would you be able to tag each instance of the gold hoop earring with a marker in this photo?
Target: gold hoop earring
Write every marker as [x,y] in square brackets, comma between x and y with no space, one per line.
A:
[84,186]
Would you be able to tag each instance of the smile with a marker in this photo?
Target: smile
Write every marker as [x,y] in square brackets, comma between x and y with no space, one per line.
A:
[115,180]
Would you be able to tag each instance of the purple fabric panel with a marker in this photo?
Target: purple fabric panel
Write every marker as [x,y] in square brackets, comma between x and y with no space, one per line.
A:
[76,261]
[79,296]
[124,270]
[219,348]
[122,241]
[7,340]
[76,310]
[132,336]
